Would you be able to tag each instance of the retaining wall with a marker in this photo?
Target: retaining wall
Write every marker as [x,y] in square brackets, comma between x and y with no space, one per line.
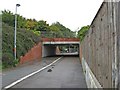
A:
[48,50]
[100,49]
[34,54]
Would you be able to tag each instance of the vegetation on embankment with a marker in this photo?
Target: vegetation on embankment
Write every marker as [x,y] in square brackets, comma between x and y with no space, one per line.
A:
[25,41]
[82,32]
[55,30]
[28,34]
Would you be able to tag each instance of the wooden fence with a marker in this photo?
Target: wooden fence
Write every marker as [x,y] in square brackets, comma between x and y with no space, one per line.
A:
[101,45]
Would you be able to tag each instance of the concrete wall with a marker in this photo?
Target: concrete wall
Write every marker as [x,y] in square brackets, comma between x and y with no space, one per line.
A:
[100,48]
[91,80]
[57,50]
[118,32]
[48,50]
[34,54]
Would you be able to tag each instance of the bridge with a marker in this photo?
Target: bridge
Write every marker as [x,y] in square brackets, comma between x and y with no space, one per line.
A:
[99,55]
[51,46]
[60,72]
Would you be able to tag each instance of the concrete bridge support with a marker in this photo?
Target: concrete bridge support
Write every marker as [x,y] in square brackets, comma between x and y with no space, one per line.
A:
[48,50]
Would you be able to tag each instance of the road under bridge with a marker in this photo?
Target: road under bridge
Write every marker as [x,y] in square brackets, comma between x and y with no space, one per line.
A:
[51,47]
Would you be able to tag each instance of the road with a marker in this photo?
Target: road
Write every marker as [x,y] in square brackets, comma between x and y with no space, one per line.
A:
[13,74]
[119,76]
[66,73]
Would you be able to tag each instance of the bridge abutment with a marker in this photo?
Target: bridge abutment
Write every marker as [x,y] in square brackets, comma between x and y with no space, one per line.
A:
[48,50]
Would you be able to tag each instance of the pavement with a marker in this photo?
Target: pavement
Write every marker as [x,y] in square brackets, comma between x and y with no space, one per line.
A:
[66,73]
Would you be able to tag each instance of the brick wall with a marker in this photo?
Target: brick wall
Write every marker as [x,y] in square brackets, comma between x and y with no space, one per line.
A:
[34,54]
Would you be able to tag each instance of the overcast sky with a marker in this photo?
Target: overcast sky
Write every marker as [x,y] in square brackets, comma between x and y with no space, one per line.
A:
[73,14]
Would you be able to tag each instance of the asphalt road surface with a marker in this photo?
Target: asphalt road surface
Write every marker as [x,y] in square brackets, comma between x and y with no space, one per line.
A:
[13,74]
[66,73]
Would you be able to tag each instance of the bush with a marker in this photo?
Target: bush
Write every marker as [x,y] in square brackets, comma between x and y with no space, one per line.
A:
[26,39]
[7,60]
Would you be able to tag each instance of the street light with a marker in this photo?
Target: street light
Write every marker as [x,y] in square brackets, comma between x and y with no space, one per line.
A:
[17,5]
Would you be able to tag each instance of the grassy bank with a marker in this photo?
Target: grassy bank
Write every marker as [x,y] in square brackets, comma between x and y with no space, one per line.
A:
[26,39]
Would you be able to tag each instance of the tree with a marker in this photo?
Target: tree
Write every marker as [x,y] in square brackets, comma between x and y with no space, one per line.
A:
[43,28]
[38,27]
[31,24]
[42,25]
[61,31]
[82,32]
[55,31]
[21,21]
[8,17]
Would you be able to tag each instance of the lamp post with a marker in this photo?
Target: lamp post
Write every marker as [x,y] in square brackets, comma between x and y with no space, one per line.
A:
[17,5]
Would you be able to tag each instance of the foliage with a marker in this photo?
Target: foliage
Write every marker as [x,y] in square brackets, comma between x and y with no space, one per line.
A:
[38,27]
[25,41]
[28,33]
[30,24]
[36,32]
[8,17]
[61,31]
[7,60]
[82,32]
[0,67]
[42,25]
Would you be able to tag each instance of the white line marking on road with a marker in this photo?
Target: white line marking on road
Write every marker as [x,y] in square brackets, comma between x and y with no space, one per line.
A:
[27,76]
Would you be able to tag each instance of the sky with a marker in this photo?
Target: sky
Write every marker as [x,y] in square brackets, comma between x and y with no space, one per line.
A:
[73,14]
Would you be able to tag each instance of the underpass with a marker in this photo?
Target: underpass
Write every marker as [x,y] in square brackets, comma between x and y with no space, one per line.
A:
[60,46]
[66,72]
[99,53]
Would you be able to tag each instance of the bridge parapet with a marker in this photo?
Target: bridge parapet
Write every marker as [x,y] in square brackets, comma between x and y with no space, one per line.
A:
[60,40]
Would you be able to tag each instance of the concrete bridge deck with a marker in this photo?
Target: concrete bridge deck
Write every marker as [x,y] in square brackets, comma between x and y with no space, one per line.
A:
[60,41]
[50,45]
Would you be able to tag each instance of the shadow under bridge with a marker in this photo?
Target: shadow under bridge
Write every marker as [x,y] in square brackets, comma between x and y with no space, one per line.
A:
[60,46]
